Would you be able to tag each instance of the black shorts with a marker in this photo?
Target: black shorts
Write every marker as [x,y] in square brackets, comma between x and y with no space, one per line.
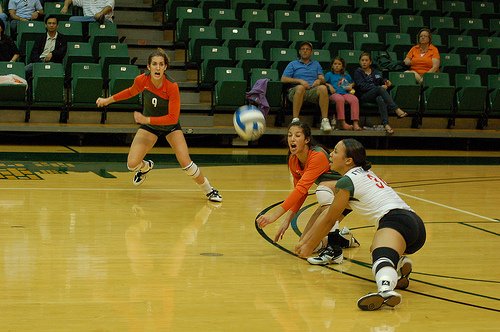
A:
[409,225]
[161,131]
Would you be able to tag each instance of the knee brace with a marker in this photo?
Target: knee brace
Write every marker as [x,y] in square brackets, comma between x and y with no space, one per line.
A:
[192,170]
[383,257]
[324,195]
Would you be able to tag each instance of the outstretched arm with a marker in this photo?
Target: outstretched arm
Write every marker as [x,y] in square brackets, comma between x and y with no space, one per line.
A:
[323,225]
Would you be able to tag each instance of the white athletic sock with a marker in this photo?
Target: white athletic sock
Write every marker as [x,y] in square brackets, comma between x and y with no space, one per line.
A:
[205,186]
[386,278]
[335,226]
[145,166]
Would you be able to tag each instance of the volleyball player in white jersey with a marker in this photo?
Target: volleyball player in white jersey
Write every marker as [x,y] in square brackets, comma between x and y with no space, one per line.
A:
[399,229]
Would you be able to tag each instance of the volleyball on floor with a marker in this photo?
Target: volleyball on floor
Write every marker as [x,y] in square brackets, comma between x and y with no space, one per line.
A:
[249,122]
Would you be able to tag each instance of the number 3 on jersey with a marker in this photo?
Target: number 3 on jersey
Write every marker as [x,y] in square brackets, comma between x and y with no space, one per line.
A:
[378,182]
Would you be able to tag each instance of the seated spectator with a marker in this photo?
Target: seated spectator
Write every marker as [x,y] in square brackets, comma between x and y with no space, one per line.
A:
[310,86]
[8,49]
[340,85]
[93,11]
[3,16]
[48,48]
[423,57]
[23,10]
[371,86]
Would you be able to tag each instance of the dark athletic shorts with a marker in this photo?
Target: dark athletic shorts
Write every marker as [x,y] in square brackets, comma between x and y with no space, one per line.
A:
[409,225]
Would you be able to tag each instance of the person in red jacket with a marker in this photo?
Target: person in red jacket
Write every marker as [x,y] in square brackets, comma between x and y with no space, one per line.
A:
[309,164]
[160,118]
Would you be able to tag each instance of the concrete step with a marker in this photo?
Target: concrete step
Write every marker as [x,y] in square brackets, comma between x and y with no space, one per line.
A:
[136,4]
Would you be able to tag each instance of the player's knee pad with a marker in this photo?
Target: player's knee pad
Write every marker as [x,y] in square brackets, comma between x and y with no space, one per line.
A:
[384,256]
[324,195]
[192,170]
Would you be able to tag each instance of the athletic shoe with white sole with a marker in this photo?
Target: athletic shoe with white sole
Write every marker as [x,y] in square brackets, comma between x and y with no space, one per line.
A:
[329,255]
[140,176]
[325,125]
[404,269]
[214,196]
[374,301]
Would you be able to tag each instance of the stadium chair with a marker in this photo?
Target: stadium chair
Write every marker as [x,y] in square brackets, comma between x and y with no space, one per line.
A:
[397,8]
[438,96]
[443,26]
[351,58]
[350,23]
[77,52]
[338,6]
[382,24]
[298,36]
[473,27]
[47,94]
[28,30]
[367,41]
[406,91]
[206,5]
[254,19]
[411,24]
[188,17]
[323,57]
[455,9]
[336,41]
[73,31]
[490,46]
[248,58]
[494,95]
[112,53]
[171,10]
[436,41]
[236,37]
[274,86]
[13,95]
[271,6]
[281,57]
[452,65]
[212,57]
[470,96]
[86,87]
[426,9]
[484,10]
[222,17]
[288,19]
[200,36]
[462,45]
[245,5]
[307,6]
[120,78]
[54,9]
[319,22]
[230,88]
[101,33]
[481,65]
[270,38]
[400,43]
[367,7]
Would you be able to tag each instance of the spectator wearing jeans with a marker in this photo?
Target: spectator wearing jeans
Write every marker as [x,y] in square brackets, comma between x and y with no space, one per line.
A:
[310,86]
[93,10]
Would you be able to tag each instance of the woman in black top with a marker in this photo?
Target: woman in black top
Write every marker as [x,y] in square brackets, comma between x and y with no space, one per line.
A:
[371,86]
[8,49]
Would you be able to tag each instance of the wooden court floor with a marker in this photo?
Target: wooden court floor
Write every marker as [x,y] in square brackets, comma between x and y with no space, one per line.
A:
[82,249]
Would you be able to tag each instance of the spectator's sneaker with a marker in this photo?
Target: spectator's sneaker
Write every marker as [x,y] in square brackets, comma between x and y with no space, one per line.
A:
[325,125]
[140,176]
[404,269]
[294,120]
[329,255]
[374,301]
[214,196]
[351,241]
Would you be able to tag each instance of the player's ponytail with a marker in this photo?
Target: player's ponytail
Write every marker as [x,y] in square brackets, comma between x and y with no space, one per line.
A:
[356,151]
